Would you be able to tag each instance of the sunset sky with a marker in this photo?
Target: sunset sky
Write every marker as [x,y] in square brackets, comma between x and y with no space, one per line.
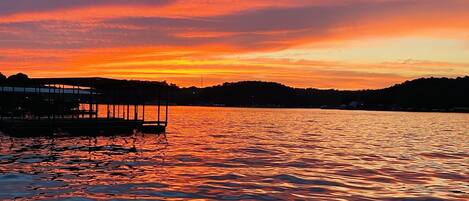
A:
[345,44]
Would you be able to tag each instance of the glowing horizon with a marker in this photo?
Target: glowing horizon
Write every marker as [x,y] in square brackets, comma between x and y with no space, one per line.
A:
[340,44]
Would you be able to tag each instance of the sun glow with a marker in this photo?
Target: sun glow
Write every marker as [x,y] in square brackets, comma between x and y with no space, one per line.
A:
[325,44]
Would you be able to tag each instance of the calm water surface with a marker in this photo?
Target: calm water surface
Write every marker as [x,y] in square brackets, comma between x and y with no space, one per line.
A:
[257,154]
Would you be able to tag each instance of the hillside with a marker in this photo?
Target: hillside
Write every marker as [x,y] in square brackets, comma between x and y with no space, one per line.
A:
[424,94]
[416,95]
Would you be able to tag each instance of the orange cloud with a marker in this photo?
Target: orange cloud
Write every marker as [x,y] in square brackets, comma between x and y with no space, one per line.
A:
[157,40]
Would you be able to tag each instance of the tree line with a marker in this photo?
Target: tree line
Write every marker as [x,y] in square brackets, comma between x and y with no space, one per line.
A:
[424,94]
[16,79]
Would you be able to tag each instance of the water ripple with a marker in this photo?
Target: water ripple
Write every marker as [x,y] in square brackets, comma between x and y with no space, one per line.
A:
[250,154]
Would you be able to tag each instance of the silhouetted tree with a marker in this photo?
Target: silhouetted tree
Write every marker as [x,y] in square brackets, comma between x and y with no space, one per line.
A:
[2,78]
[19,79]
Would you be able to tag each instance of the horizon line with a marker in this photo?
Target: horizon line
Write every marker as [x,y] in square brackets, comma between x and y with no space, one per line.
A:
[265,81]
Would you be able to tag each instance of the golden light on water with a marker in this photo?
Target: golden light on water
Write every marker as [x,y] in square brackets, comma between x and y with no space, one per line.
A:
[248,153]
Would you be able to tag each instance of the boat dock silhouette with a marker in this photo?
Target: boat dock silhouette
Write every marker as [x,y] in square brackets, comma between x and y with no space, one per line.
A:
[54,106]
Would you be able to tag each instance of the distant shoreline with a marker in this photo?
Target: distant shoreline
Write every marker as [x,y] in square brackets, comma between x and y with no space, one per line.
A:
[318,108]
[445,95]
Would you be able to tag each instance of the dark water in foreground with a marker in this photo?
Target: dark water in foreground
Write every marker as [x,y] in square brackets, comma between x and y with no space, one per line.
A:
[264,154]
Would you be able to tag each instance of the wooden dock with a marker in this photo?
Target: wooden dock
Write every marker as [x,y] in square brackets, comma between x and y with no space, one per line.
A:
[99,126]
[48,109]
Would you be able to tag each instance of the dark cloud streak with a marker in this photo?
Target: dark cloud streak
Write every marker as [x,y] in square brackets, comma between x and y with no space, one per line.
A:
[248,29]
[8,7]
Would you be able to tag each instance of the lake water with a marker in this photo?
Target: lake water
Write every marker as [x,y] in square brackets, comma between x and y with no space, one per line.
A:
[257,154]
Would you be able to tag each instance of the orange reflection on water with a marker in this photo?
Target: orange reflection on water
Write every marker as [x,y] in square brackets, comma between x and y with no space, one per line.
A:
[240,153]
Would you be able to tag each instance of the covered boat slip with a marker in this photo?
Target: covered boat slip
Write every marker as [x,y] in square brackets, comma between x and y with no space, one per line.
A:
[50,108]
